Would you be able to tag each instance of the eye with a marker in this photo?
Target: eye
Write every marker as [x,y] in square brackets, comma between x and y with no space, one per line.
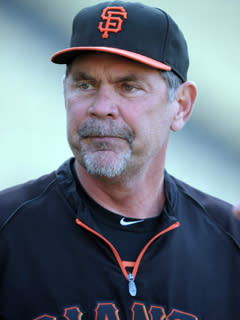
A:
[128,87]
[85,85]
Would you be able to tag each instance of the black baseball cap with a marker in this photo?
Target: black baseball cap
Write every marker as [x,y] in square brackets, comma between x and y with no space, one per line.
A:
[132,30]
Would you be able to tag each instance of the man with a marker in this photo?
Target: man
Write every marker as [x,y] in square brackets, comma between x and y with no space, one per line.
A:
[110,234]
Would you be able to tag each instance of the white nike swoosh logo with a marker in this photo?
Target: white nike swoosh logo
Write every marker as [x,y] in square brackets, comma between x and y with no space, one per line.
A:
[128,223]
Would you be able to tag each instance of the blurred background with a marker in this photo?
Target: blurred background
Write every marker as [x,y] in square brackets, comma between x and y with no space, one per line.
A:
[206,153]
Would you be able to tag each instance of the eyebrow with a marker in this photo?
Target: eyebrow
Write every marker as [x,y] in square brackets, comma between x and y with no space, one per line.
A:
[127,77]
[80,75]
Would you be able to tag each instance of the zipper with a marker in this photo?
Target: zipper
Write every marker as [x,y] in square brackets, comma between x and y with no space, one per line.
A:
[129,276]
[131,285]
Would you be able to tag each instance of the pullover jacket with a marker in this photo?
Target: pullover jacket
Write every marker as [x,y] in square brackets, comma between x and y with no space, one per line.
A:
[54,263]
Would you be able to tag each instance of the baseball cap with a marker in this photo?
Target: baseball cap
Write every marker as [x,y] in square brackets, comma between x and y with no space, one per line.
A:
[129,29]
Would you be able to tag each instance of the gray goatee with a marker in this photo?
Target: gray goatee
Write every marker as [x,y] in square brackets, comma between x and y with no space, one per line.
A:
[99,164]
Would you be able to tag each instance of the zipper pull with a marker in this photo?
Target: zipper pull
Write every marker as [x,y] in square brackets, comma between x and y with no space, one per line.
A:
[131,285]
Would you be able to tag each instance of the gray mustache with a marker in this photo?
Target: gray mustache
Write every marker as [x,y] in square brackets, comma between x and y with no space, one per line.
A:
[101,128]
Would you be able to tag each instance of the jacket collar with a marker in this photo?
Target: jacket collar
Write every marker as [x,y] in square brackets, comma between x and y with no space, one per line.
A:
[68,185]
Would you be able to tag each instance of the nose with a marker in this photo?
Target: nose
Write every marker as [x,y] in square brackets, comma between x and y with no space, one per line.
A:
[104,105]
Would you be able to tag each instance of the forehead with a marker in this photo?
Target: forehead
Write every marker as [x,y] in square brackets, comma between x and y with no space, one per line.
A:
[93,61]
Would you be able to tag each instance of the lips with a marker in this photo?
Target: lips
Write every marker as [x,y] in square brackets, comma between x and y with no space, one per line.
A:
[105,143]
[105,130]
[103,138]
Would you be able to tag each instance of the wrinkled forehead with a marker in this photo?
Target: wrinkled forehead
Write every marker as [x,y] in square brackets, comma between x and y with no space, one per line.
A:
[99,60]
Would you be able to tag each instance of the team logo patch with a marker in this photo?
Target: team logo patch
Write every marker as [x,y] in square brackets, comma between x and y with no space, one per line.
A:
[113,18]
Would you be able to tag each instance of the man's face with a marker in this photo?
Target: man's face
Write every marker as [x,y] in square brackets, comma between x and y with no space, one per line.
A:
[118,114]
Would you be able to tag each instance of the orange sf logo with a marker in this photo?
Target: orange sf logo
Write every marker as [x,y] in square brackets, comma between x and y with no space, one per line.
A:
[113,21]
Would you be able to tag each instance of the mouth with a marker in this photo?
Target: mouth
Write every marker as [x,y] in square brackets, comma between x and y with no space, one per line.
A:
[104,143]
[103,138]
[106,139]
[96,130]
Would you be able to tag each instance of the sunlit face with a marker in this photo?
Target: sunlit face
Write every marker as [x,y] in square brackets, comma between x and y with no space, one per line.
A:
[118,114]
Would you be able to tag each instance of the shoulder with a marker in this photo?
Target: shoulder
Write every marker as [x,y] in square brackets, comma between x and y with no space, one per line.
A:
[15,198]
[203,199]
[217,211]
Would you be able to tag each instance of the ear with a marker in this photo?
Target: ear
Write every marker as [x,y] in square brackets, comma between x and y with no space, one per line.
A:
[186,96]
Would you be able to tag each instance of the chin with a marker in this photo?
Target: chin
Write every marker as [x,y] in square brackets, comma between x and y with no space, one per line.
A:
[105,163]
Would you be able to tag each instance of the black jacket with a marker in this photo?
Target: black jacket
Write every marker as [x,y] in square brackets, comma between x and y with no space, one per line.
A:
[54,264]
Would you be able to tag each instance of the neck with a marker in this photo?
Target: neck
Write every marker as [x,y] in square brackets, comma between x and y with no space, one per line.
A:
[141,196]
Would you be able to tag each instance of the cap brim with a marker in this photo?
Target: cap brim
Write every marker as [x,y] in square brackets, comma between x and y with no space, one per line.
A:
[65,56]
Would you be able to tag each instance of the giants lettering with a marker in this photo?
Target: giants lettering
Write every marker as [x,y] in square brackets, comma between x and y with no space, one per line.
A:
[73,313]
[106,311]
[109,311]
[139,312]
[69,314]
[45,317]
